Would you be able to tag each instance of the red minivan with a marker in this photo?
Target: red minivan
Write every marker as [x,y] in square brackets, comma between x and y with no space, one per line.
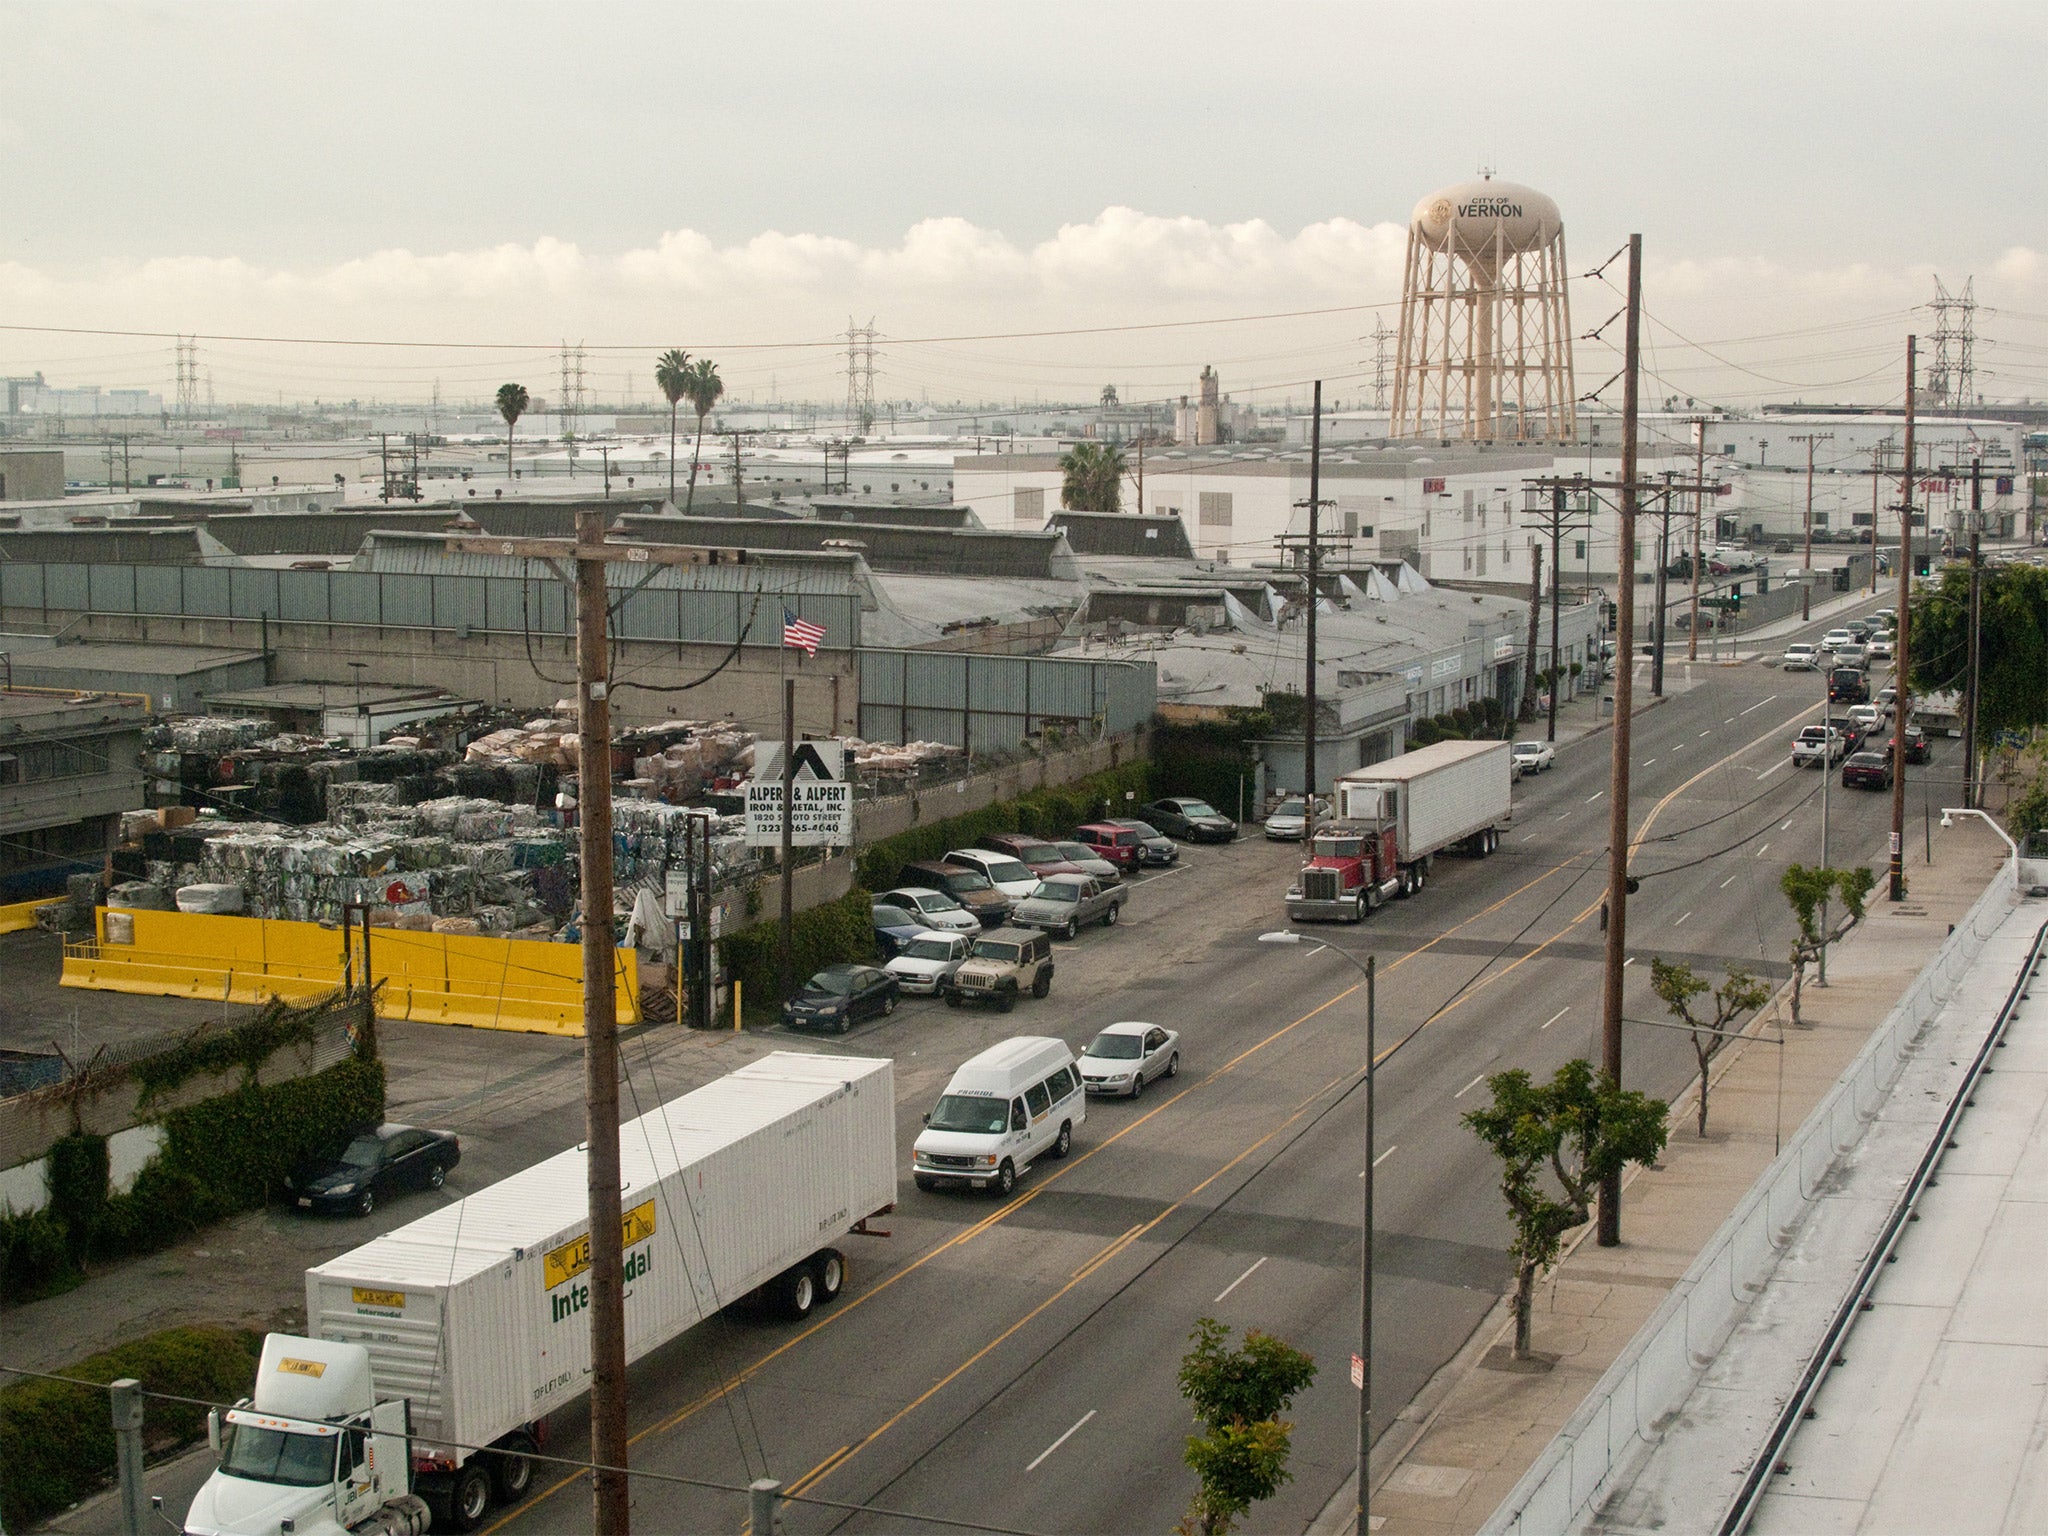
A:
[1119,845]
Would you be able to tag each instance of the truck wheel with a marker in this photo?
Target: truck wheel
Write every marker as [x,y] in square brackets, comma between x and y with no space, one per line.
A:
[925,1182]
[1006,1000]
[1065,1144]
[512,1467]
[1421,875]
[799,1291]
[831,1273]
[1109,918]
[469,1500]
[952,999]
[1006,1178]
[1072,930]
[1043,985]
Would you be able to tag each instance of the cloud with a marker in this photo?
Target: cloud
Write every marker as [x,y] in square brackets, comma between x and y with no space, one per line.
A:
[948,275]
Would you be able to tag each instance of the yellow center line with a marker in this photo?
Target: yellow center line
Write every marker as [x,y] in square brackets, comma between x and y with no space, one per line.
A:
[1104,1252]
[820,1469]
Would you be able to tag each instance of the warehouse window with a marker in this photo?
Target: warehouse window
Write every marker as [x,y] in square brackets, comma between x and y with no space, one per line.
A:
[1214,509]
[1027,504]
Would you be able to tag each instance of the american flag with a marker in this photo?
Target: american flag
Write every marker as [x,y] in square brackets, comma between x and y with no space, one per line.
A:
[801,633]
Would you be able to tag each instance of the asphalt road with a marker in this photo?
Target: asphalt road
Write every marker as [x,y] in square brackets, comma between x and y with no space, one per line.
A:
[1012,1363]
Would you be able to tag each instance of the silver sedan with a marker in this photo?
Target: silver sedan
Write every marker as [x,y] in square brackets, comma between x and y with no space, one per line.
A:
[1125,1057]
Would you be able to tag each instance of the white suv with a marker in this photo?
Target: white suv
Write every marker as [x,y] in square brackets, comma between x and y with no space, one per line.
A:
[1801,658]
[1835,639]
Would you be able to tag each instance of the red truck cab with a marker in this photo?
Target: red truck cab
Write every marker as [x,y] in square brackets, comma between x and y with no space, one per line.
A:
[1119,845]
[1351,871]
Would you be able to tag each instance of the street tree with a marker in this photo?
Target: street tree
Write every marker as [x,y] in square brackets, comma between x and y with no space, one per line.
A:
[1556,1142]
[1809,888]
[512,403]
[1092,477]
[1238,1396]
[1681,987]
[672,378]
[2012,646]
[704,388]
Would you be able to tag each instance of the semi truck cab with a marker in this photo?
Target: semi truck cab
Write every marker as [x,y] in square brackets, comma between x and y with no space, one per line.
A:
[1351,870]
[311,1452]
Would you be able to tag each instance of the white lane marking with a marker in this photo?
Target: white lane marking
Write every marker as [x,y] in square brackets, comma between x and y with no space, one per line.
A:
[1759,704]
[1383,1157]
[1646,762]
[1161,874]
[1595,796]
[1709,733]
[1567,1008]
[1760,851]
[1729,881]
[1781,762]
[1679,748]
[1681,920]
[1564,815]
[1631,960]
[1530,838]
[1061,1441]
[1469,1086]
[1729,721]
[1785,823]
[1240,1280]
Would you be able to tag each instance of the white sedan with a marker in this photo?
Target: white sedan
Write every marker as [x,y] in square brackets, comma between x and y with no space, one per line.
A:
[1125,1057]
[928,961]
[1288,821]
[1801,658]
[1533,756]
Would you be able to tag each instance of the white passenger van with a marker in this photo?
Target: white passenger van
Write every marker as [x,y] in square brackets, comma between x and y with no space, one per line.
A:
[1001,1112]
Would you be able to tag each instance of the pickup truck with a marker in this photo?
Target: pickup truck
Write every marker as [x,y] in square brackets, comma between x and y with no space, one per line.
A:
[1063,903]
[1818,747]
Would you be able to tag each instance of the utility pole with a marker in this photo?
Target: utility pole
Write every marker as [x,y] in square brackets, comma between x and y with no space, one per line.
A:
[739,485]
[1877,457]
[1663,571]
[1308,719]
[1555,522]
[1535,612]
[610,1493]
[1699,511]
[1624,701]
[1971,684]
[1806,582]
[785,932]
[1898,846]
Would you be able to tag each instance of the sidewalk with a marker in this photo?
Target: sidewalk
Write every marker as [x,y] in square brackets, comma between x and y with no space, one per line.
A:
[1458,1451]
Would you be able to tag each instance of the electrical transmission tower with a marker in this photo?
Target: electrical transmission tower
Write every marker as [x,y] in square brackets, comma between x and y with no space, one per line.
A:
[860,377]
[571,404]
[1382,333]
[188,375]
[1952,380]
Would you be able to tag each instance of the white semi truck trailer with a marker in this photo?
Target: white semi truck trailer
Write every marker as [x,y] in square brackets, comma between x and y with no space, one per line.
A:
[460,1333]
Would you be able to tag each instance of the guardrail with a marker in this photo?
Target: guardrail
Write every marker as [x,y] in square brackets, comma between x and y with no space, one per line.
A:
[1664,1360]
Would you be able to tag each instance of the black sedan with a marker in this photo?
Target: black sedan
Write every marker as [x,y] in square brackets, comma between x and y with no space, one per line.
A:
[1867,770]
[379,1160]
[838,995]
[1196,821]
[1917,750]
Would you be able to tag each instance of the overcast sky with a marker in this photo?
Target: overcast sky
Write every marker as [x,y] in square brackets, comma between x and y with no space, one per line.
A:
[715,176]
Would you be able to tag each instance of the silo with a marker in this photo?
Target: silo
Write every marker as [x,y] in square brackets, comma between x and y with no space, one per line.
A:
[1485,352]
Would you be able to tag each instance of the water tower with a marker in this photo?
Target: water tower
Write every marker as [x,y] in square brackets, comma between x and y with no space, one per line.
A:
[1486,352]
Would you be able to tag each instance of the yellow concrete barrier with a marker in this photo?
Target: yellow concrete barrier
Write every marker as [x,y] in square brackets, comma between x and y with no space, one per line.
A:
[22,914]
[436,978]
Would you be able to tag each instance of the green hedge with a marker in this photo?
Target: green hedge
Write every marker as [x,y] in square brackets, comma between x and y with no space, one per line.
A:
[57,1440]
[220,1156]
[1050,812]
[837,932]
[1215,760]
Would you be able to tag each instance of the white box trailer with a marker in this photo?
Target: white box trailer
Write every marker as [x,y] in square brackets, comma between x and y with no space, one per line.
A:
[478,1313]
[1433,797]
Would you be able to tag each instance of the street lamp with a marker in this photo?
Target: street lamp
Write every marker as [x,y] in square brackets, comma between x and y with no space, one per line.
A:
[1949,814]
[1362,1367]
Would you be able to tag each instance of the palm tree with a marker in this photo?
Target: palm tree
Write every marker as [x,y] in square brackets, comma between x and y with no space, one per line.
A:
[672,377]
[1092,477]
[512,403]
[704,387]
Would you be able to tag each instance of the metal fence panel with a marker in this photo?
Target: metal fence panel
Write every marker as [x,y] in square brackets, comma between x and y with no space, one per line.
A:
[407,600]
[21,585]
[459,602]
[252,593]
[649,615]
[947,725]
[159,589]
[112,588]
[207,594]
[353,597]
[303,596]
